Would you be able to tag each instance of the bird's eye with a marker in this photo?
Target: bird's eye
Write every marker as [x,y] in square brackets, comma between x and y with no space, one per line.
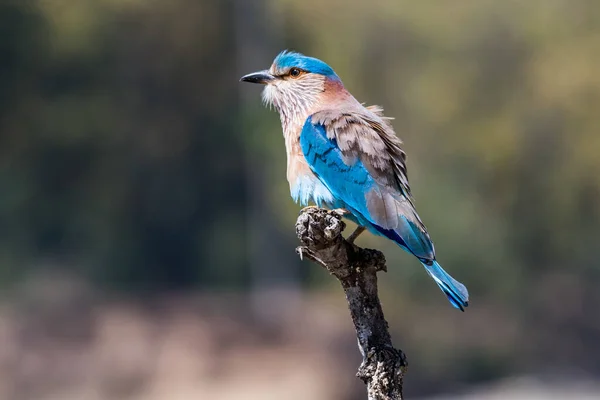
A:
[295,72]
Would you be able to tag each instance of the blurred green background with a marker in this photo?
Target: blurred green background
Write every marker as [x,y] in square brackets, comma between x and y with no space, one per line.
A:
[147,232]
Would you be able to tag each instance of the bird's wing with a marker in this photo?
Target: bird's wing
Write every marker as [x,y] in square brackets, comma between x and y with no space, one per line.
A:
[357,156]
[367,132]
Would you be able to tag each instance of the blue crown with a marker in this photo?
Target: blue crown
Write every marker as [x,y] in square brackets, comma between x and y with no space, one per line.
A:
[288,59]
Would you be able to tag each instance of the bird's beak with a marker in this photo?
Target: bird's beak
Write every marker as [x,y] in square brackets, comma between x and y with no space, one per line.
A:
[262,77]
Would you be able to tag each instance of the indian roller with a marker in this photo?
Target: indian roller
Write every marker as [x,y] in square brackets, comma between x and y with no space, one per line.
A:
[343,155]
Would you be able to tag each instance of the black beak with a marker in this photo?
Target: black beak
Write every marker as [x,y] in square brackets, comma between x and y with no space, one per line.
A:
[262,77]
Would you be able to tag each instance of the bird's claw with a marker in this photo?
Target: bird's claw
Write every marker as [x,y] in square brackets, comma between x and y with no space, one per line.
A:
[341,211]
[307,208]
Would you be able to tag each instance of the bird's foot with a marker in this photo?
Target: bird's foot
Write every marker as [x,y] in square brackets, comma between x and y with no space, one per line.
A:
[307,208]
[359,229]
[341,211]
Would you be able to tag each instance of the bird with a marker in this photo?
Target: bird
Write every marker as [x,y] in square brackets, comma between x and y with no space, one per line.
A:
[344,155]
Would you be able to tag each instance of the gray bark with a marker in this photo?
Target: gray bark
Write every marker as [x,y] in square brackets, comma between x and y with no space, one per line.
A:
[383,366]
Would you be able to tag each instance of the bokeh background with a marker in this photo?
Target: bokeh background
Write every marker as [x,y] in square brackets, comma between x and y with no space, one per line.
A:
[147,232]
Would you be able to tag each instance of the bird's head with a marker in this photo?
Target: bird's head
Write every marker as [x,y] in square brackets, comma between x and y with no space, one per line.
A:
[295,83]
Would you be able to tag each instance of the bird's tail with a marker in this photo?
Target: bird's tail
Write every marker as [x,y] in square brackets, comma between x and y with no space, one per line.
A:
[455,291]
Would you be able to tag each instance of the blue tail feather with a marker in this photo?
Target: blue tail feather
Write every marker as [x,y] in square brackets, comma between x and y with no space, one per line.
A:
[455,291]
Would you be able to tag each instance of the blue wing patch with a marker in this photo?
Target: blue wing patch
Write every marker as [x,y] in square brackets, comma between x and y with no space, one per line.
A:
[347,183]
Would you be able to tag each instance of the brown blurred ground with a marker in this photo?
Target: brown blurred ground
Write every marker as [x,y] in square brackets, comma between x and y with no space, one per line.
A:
[58,340]
[61,343]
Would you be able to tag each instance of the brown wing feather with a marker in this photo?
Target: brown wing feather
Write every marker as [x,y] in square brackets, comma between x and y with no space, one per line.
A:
[367,135]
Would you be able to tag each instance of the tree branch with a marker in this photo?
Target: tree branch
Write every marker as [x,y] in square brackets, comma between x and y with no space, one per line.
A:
[383,366]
